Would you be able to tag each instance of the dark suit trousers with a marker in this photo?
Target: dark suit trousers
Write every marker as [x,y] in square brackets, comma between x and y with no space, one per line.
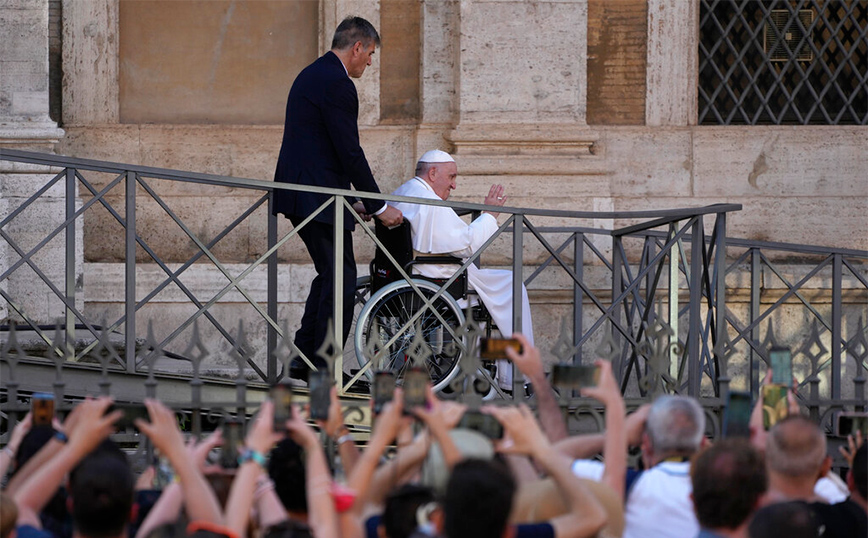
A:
[318,237]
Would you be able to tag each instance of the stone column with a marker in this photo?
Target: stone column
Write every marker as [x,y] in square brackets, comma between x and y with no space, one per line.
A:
[673,51]
[523,61]
[332,12]
[522,94]
[25,124]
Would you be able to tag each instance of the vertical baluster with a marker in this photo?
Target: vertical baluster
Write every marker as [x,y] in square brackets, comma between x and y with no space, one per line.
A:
[239,353]
[196,352]
[578,294]
[11,354]
[60,353]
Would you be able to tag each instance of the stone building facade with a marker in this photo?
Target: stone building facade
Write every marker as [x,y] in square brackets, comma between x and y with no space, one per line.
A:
[571,104]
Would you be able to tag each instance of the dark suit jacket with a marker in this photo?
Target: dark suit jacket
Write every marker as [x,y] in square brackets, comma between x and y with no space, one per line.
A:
[321,142]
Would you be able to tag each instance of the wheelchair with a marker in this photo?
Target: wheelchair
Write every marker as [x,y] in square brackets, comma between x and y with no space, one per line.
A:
[393,302]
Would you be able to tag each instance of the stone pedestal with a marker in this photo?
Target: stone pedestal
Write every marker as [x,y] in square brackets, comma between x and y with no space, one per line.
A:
[25,124]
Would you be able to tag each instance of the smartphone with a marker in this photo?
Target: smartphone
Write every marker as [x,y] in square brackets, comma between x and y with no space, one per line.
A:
[848,423]
[736,416]
[131,412]
[281,395]
[575,376]
[320,386]
[383,392]
[478,421]
[415,383]
[775,405]
[781,361]
[164,475]
[231,441]
[42,408]
[495,348]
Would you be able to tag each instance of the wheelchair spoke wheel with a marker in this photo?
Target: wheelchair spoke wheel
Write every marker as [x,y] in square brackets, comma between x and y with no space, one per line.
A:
[389,310]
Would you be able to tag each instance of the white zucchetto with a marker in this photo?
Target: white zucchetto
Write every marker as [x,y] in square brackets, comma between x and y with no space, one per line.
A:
[436,156]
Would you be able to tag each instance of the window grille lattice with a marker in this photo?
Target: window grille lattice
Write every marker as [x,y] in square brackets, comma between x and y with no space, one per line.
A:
[776,62]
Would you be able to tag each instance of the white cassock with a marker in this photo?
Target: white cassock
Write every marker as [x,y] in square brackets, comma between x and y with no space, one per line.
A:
[439,230]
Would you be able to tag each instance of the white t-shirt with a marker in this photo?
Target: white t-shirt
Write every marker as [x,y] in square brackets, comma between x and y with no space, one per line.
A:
[658,503]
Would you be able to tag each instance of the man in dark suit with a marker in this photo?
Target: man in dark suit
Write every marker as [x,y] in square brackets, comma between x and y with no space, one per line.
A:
[321,148]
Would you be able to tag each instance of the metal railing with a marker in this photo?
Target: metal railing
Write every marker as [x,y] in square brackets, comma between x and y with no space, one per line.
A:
[650,295]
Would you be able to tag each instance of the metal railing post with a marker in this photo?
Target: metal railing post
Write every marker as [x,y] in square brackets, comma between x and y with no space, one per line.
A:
[517,282]
[338,322]
[271,335]
[719,285]
[694,368]
[70,259]
[755,290]
[617,286]
[837,306]
[130,273]
[578,294]
[674,301]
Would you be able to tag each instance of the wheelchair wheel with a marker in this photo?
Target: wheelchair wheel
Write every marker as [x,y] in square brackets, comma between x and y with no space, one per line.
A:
[390,308]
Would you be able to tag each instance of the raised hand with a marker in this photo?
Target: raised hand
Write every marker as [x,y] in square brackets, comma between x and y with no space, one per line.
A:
[495,197]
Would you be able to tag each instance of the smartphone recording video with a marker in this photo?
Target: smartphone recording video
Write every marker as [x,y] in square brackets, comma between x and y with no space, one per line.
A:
[42,408]
[281,395]
[781,362]
[383,391]
[848,423]
[131,412]
[478,421]
[232,439]
[320,386]
[495,348]
[415,383]
[775,407]
[736,417]
[575,376]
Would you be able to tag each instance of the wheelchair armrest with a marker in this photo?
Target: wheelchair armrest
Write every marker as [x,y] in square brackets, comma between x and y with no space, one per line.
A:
[420,260]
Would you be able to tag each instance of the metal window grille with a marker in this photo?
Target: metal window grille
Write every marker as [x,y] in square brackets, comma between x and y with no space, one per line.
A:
[779,49]
[777,62]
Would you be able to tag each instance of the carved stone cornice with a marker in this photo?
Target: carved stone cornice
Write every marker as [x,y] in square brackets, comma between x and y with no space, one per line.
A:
[527,149]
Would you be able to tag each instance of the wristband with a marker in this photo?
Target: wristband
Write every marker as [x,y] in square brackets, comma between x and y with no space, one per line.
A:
[60,436]
[9,452]
[344,438]
[252,455]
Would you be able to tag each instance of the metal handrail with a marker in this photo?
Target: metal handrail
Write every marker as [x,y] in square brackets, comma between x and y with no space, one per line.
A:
[634,328]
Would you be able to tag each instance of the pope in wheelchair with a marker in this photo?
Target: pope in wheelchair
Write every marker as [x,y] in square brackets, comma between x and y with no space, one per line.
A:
[439,231]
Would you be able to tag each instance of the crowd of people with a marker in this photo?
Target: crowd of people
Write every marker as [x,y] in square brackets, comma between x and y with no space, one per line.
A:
[420,474]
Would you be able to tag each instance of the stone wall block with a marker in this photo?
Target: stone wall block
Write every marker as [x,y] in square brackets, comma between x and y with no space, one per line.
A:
[760,162]
[440,61]
[545,42]
[90,62]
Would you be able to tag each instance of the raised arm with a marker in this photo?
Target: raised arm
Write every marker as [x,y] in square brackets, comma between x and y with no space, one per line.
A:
[260,438]
[199,499]
[530,364]
[92,426]
[385,429]
[441,417]
[322,514]
[335,428]
[7,455]
[586,515]
[407,461]
[615,439]
[168,506]
[48,451]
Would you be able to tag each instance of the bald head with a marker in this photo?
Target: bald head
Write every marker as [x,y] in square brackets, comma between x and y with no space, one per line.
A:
[796,447]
